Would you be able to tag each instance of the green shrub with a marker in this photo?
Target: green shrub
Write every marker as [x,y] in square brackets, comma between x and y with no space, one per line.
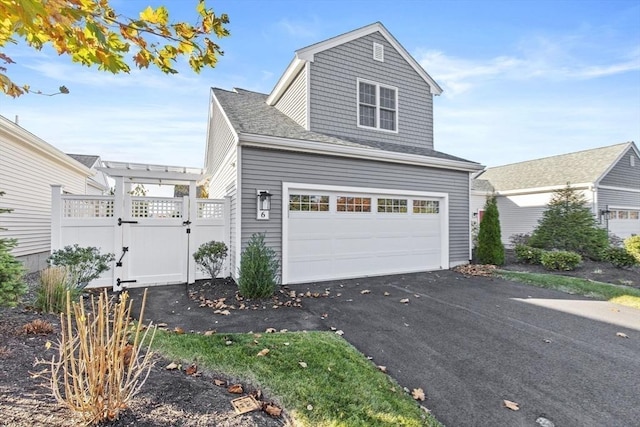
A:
[258,273]
[490,248]
[632,245]
[560,260]
[569,225]
[210,256]
[51,293]
[83,263]
[619,257]
[12,288]
[529,255]
[519,239]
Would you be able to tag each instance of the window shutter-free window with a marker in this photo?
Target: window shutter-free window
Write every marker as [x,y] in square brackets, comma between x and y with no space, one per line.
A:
[377,106]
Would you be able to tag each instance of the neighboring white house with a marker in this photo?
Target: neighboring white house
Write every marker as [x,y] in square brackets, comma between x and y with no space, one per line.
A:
[337,164]
[99,182]
[608,177]
[28,167]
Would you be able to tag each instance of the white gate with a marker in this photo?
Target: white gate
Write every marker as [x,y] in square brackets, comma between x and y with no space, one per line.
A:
[153,238]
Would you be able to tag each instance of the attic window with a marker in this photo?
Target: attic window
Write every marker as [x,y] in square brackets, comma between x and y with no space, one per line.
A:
[632,160]
[378,52]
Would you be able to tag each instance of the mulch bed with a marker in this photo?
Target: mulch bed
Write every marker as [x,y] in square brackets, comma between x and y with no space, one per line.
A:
[169,397]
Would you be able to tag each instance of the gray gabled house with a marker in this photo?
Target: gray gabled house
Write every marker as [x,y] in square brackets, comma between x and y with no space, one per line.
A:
[608,177]
[343,150]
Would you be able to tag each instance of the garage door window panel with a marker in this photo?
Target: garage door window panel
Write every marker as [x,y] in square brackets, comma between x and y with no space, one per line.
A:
[308,203]
[392,205]
[426,207]
[353,204]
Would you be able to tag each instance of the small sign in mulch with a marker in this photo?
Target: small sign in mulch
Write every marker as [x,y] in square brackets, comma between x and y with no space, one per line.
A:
[245,404]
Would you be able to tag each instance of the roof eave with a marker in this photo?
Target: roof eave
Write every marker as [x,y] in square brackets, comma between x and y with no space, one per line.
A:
[631,145]
[285,80]
[273,142]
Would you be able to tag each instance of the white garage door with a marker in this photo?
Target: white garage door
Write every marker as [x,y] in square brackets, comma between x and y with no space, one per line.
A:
[336,234]
[624,222]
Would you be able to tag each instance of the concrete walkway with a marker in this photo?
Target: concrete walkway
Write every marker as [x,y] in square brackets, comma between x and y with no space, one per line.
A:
[469,343]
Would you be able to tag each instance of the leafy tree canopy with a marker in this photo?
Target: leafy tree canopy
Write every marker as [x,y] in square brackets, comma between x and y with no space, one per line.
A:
[93,33]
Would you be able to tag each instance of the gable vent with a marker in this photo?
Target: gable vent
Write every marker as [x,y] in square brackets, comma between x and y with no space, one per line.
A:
[378,52]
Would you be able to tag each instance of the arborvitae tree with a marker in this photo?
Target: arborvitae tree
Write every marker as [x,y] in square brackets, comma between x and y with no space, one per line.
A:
[568,224]
[490,249]
[11,285]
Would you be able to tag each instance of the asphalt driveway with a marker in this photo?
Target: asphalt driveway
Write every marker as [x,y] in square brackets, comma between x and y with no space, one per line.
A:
[469,343]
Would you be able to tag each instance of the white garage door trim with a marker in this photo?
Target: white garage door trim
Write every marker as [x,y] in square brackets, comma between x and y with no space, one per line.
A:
[288,186]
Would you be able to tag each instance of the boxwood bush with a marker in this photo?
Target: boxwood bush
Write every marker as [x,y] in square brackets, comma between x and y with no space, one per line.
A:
[560,260]
[619,257]
[632,245]
[529,255]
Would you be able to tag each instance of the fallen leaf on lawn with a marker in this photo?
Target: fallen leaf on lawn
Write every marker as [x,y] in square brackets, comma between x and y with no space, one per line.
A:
[219,383]
[386,294]
[382,368]
[228,342]
[340,332]
[271,409]
[427,410]
[178,330]
[284,330]
[309,407]
[191,369]
[404,300]
[263,352]
[209,333]
[270,330]
[235,389]
[303,364]
[286,343]
[171,366]
[365,291]
[418,394]
[622,335]
[511,405]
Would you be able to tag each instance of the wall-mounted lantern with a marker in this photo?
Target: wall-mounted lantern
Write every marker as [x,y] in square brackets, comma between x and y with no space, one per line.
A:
[604,214]
[263,198]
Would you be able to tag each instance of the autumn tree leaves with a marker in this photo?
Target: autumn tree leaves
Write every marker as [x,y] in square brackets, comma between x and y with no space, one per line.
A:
[92,33]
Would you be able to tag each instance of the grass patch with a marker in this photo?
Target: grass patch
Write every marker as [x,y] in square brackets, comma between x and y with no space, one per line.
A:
[344,388]
[573,285]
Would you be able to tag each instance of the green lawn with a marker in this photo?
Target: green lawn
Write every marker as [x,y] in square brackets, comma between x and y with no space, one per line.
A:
[603,291]
[342,386]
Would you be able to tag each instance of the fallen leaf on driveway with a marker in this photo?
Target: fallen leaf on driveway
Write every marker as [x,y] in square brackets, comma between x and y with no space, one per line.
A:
[511,405]
[382,368]
[547,341]
[386,294]
[171,366]
[270,330]
[418,394]
[271,409]
[209,333]
[219,383]
[365,291]
[303,364]
[178,330]
[404,300]
[622,335]
[235,389]
[263,352]
[191,369]
[340,332]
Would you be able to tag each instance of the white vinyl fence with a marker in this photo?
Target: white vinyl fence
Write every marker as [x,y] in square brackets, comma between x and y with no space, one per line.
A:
[153,238]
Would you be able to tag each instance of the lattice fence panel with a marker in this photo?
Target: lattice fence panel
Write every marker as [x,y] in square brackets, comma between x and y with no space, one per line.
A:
[87,208]
[210,210]
[156,208]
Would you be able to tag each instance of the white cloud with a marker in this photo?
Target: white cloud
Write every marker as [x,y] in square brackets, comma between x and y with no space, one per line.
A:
[547,60]
[300,29]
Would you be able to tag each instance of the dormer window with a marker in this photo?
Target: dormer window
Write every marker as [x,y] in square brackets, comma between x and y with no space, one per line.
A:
[377,106]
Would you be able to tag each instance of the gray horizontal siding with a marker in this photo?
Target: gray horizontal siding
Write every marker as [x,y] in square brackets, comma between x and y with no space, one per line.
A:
[607,197]
[293,102]
[268,169]
[623,174]
[333,91]
[221,139]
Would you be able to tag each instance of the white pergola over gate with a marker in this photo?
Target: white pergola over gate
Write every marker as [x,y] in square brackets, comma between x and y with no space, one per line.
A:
[153,238]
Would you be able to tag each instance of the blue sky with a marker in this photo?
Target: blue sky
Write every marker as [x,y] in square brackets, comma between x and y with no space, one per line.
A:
[522,79]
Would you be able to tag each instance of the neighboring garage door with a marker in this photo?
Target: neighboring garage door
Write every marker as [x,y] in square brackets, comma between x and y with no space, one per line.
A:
[624,222]
[332,233]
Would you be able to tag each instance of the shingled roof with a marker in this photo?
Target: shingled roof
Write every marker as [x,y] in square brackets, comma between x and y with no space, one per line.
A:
[249,113]
[575,168]
[85,159]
